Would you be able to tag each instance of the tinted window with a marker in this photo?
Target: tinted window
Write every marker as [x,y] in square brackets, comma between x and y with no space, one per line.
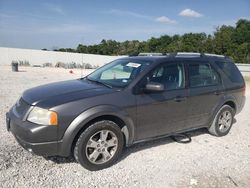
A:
[231,71]
[202,75]
[171,76]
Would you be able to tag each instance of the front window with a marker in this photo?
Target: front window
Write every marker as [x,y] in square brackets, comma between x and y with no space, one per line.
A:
[118,73]
[170,75]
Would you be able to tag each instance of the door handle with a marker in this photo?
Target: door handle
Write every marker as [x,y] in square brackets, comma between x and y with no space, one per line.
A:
[219,92]
[179,98]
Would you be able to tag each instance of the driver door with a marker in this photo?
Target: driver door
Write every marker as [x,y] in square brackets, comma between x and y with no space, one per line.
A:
[160,113]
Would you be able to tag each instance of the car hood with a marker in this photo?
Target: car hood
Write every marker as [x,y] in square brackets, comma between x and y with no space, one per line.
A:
[54,94]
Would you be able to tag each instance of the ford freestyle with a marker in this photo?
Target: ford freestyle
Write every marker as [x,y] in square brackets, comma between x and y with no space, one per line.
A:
[129,100]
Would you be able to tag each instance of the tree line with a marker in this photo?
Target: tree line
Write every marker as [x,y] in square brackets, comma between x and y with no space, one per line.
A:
[226,40]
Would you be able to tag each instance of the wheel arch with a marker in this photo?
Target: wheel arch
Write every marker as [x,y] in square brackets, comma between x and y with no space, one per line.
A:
[230,103]
[229,100]
[88,117]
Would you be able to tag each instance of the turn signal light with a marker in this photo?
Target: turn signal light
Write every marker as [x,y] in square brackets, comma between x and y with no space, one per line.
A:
[53,118]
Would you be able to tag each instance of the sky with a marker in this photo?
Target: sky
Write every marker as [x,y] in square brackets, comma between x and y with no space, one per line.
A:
[51,24]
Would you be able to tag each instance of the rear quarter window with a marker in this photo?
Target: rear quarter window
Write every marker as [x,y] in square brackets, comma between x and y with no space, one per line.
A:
[231,71]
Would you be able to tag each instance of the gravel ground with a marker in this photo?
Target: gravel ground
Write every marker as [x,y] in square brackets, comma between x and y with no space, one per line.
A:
[207,161]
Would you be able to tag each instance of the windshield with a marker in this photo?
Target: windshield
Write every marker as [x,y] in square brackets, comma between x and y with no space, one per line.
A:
[118,73]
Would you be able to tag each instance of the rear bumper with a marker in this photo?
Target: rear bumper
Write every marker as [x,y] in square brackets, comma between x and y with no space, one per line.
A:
[32,137]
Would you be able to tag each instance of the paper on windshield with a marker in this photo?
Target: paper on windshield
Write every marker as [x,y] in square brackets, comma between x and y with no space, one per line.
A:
[135,65]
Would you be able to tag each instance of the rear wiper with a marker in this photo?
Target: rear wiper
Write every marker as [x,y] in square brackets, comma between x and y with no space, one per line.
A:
[98,82]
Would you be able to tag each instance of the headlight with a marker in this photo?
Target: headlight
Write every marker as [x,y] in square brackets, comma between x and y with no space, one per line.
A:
[42,116]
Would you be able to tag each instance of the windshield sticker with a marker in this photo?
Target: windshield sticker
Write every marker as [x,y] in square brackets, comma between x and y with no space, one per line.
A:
[135,65]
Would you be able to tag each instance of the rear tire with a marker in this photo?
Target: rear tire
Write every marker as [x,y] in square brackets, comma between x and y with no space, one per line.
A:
[99,146]
[222,122]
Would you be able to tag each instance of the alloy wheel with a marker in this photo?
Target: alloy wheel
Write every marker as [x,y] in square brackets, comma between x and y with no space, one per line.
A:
[225,121]
[101,146]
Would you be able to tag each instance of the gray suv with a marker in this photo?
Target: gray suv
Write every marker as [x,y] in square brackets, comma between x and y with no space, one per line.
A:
[127,101]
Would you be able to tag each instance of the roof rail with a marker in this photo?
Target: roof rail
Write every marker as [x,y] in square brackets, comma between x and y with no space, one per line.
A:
[133,54]
[194,54]
[151,54]
[179,54]
[214,55]
[188,54]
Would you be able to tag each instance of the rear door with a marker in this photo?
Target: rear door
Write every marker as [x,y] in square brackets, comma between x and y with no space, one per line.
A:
[205,91]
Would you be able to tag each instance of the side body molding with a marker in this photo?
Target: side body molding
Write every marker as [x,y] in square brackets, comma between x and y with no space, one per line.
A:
[82,119]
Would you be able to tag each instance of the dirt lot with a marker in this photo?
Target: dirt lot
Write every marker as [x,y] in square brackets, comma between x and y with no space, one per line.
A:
[207,161]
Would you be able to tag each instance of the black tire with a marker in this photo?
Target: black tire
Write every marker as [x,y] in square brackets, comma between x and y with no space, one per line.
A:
[215,127]
[80,150]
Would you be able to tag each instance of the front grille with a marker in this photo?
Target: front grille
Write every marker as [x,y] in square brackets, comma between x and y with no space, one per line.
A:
[21,107]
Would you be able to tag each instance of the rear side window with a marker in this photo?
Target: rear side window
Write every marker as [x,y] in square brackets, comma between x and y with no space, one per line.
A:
[231,71]
[202,75]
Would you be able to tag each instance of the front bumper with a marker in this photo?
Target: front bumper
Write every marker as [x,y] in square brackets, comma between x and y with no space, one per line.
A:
[43,149]
[40,140]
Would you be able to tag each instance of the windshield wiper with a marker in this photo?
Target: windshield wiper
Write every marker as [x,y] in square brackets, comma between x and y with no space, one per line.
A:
[98,82]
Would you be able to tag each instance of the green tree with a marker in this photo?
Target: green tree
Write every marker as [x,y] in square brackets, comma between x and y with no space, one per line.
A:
[227,40]
[223,40]
[242,32]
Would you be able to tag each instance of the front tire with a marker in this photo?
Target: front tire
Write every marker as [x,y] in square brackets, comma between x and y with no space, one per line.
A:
[223,121]
[99,146]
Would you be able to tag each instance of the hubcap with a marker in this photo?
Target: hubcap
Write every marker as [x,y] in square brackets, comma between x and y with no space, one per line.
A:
[101,147]
[225,121]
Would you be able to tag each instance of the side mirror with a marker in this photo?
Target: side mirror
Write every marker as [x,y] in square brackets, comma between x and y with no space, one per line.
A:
[154,87]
